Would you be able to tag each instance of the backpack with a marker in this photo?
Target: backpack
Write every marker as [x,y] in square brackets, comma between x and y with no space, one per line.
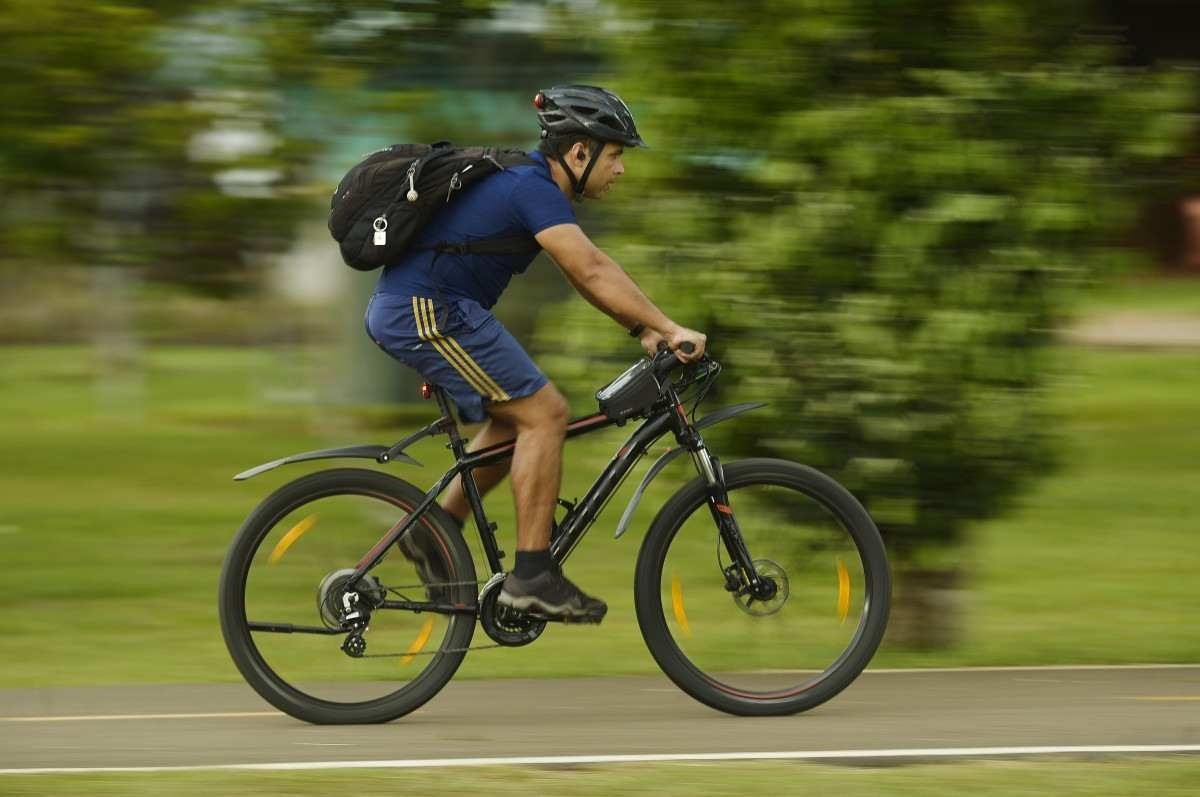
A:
[382,204]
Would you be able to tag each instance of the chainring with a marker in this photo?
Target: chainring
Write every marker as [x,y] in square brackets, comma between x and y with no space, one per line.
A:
[507,626]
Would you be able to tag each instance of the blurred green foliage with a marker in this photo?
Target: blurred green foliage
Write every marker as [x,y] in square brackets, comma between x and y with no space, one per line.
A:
[878,210]
[158,136]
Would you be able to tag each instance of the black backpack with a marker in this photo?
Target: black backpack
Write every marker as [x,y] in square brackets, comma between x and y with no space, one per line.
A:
[381,205]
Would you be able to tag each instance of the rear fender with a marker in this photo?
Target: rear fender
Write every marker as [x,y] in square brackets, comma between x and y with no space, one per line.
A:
[713,418]
[380,454]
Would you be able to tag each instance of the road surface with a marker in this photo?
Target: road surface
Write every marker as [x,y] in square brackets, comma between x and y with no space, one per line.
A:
[939,711]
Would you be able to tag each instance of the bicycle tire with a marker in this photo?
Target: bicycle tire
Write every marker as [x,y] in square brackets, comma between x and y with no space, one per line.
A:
[667,646]
[240,640]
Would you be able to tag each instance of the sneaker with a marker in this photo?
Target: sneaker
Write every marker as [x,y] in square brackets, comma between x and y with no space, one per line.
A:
[551,594]
[420,548]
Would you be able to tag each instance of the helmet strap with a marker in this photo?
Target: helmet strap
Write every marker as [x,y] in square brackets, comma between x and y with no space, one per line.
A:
[577,185]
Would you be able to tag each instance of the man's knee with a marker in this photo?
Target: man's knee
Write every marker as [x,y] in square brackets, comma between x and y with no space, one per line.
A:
[558,411]
[551,413]
[544,411]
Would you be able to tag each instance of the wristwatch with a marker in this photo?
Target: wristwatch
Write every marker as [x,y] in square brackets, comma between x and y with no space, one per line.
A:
[636,330]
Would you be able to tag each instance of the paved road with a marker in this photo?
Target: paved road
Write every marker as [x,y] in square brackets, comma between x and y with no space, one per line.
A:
[228,724]
[1137,330]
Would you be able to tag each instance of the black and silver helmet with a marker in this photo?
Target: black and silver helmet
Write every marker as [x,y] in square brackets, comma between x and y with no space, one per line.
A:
[586,110]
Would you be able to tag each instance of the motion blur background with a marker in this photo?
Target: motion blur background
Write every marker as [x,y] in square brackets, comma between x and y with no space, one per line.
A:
[926,232]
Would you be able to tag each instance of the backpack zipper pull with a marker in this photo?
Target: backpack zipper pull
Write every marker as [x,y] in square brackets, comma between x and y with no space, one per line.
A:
[455,184]
[412,194]
[380,227]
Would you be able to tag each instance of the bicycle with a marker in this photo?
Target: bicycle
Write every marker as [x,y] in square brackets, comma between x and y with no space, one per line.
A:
[721,561]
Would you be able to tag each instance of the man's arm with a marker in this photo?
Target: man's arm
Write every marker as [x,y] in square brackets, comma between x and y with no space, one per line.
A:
[603,282]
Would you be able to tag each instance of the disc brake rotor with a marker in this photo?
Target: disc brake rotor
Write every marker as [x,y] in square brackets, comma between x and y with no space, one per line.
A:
[761,607]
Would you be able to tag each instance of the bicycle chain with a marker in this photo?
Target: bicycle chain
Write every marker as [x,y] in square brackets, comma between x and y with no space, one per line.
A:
[427,652]
[396,591]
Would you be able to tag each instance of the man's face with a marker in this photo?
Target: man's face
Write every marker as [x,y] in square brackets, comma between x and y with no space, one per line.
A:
[606,171]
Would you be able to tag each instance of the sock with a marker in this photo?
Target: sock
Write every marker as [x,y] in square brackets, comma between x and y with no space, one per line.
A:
[531,563]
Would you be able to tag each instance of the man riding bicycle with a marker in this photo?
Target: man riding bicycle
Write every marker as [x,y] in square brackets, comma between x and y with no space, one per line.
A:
[430,311]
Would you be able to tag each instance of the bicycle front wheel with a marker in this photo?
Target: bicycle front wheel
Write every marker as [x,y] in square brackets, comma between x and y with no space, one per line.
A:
[780,653]
[282,594]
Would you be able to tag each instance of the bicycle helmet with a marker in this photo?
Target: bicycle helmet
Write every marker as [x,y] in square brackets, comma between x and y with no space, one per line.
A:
[586,110]
[578,110]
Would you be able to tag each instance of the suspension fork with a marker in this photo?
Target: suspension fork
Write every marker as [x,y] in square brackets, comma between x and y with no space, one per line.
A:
[709,468]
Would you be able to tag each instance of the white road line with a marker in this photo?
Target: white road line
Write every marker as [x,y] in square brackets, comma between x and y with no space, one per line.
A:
[195,716]
[1029,668]
[795,755]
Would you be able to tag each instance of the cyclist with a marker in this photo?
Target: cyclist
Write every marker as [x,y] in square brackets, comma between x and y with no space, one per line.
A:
[431,312]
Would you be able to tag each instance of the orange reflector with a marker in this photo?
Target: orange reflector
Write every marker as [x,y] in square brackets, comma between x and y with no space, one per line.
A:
[290,538]
[418,643]
[677,605]
[843,591]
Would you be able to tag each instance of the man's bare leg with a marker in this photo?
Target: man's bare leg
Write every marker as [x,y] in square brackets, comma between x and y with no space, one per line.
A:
[540,421]
[535,583]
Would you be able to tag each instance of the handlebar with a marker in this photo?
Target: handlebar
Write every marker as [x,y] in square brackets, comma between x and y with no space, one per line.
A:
[666,361]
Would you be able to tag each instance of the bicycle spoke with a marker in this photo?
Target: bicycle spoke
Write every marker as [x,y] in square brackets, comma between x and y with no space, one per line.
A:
[802,623]
[297,581]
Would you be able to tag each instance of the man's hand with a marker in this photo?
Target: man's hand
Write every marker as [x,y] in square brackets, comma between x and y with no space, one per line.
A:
[675,337]
[650,339]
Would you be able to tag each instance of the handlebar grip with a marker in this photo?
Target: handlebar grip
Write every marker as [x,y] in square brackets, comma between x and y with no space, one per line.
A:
[687,347]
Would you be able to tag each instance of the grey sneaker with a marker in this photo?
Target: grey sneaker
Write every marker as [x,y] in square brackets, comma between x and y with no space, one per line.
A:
[420,548]
[551,594]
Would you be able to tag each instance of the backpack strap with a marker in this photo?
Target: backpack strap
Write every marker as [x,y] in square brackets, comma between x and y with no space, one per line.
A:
[509,245]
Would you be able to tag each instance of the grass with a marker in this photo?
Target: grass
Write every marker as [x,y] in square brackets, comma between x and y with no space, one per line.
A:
[118,505]
[1147,294]
[1125,777]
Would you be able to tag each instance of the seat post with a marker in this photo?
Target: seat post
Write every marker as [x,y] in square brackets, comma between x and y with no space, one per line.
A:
[457,444]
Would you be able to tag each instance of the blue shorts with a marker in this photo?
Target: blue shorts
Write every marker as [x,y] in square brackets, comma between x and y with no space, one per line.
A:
[458,346]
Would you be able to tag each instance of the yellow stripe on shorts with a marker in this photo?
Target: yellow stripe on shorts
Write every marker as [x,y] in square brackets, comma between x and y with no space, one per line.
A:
[426,315]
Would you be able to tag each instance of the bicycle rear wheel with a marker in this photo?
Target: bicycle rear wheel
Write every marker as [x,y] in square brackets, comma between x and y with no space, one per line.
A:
[281,594]
[782,654]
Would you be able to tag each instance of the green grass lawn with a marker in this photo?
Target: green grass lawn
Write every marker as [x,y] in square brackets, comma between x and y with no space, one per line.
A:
[1142,294]
[116,505]
[1063,778]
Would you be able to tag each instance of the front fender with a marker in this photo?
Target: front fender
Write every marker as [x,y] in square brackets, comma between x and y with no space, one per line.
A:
[377,453]
[713,418]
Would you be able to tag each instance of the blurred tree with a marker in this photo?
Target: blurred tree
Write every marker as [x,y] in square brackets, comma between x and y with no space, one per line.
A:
[877,210]
[156,135]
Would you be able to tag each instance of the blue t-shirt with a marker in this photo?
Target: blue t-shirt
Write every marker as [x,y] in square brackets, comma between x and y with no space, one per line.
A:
[520,200]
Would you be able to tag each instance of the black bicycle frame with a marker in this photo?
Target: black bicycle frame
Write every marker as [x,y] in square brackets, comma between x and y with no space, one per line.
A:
[669,415]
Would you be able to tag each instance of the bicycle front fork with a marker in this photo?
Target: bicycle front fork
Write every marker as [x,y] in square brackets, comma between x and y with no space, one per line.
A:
[742,574]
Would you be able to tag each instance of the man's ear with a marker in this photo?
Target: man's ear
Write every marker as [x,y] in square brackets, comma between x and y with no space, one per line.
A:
[580,152]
